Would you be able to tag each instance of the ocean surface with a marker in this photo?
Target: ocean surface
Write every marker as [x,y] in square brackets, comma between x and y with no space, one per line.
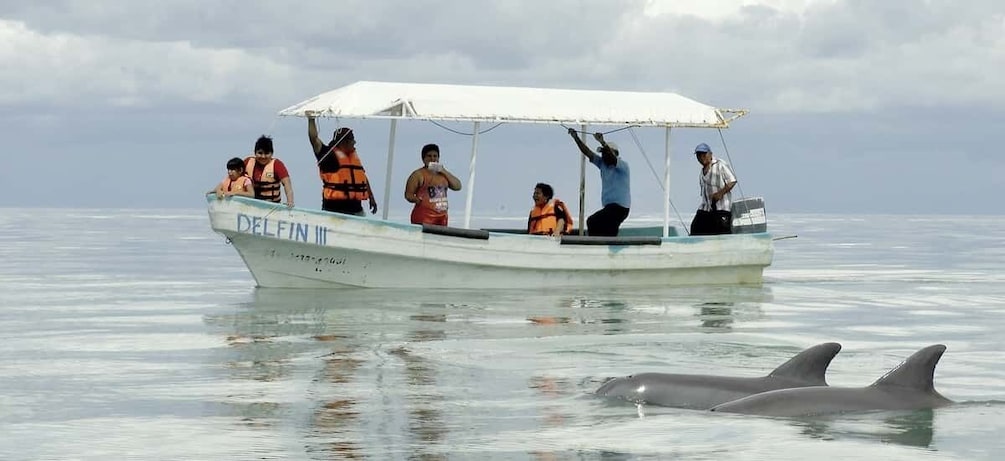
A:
[138,334]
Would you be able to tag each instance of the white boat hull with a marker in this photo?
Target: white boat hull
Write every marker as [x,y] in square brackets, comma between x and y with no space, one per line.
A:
[297,248]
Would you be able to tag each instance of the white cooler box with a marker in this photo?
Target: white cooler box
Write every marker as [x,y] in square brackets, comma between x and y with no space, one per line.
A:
[748,216]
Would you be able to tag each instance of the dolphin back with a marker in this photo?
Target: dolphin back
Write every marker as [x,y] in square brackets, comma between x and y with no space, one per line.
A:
[704,391]
[809,366]
[916,372]
[908,386]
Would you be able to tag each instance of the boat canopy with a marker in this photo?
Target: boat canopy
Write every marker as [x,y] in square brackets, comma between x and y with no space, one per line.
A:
[500,104]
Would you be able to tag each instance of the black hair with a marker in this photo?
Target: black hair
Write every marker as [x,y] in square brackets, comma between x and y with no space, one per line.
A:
[545,189]
[341,134]
[235,164]
[264,143]
[608,150]
[430,147]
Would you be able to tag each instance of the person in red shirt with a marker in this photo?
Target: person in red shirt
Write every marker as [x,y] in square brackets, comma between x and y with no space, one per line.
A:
[268,173]
[427,188]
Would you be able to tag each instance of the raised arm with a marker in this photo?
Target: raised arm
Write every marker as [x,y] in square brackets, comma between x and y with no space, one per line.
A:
[600,138]
[452,182]
[582,145]
[312,134]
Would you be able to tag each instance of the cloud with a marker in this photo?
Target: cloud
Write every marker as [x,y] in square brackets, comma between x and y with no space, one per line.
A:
[68,70]
[829,56]
[110,53]
[784,56]
[840,84]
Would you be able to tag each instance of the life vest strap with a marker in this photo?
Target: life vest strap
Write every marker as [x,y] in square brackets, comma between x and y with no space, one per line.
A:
[346,187]
[542,216]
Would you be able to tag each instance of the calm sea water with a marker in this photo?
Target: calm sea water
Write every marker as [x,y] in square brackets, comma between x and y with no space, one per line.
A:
[131,334]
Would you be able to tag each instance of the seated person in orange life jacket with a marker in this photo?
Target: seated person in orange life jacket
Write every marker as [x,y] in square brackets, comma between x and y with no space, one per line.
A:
[343,179]
[236,182]
[268,173]
[549,216]
[427,188]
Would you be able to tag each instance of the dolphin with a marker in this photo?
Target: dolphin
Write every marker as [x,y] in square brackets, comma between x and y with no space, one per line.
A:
[909,386]
[703,392]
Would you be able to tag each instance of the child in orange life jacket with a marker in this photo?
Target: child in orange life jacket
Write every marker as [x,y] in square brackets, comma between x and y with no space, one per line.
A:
[236,182]
[549,216]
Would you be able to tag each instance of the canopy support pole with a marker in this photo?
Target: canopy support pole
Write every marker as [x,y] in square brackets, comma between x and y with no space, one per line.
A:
[390,164]
[471,177]
[582,185]
[666,187]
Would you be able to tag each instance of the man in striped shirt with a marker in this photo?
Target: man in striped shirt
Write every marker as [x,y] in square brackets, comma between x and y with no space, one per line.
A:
[716,181]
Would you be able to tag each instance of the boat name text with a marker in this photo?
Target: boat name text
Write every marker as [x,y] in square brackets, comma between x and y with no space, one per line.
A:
[282,229]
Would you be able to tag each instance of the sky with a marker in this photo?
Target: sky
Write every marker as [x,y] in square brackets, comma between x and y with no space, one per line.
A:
[856,106]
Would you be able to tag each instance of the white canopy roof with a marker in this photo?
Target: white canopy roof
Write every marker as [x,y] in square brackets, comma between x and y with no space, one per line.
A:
[422,101]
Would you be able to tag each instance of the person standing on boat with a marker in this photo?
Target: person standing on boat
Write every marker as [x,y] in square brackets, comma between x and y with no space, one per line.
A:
[344,180]
[236,182]
[715,181]
[268,173]
[615,191]
[427,188]
[549,216]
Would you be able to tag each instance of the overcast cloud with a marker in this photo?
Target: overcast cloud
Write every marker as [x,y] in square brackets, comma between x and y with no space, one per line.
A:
[856,105]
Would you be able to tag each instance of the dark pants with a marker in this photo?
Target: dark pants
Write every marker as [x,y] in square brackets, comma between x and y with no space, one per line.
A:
[712,223]
[605,223]
[353,207]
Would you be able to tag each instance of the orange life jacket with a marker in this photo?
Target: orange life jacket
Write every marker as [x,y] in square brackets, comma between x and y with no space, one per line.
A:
[267,186]
[231,186]
[543,221]
[349,181]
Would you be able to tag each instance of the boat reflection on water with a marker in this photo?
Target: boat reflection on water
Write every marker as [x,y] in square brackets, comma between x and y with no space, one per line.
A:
[422,396]
[715,308]
[720,309]
[360,366]
[552,388]
[716,316]
[328,338]
[258,355]
[336,417]
[578,311]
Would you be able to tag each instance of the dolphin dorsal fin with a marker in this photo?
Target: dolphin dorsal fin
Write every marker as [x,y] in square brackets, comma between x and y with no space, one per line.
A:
[917,372]
[809,365]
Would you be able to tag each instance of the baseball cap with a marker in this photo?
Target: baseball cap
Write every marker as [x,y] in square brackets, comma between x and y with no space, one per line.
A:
[702,148]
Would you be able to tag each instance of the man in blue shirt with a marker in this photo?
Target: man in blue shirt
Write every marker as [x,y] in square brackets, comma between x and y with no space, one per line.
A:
[615,191]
